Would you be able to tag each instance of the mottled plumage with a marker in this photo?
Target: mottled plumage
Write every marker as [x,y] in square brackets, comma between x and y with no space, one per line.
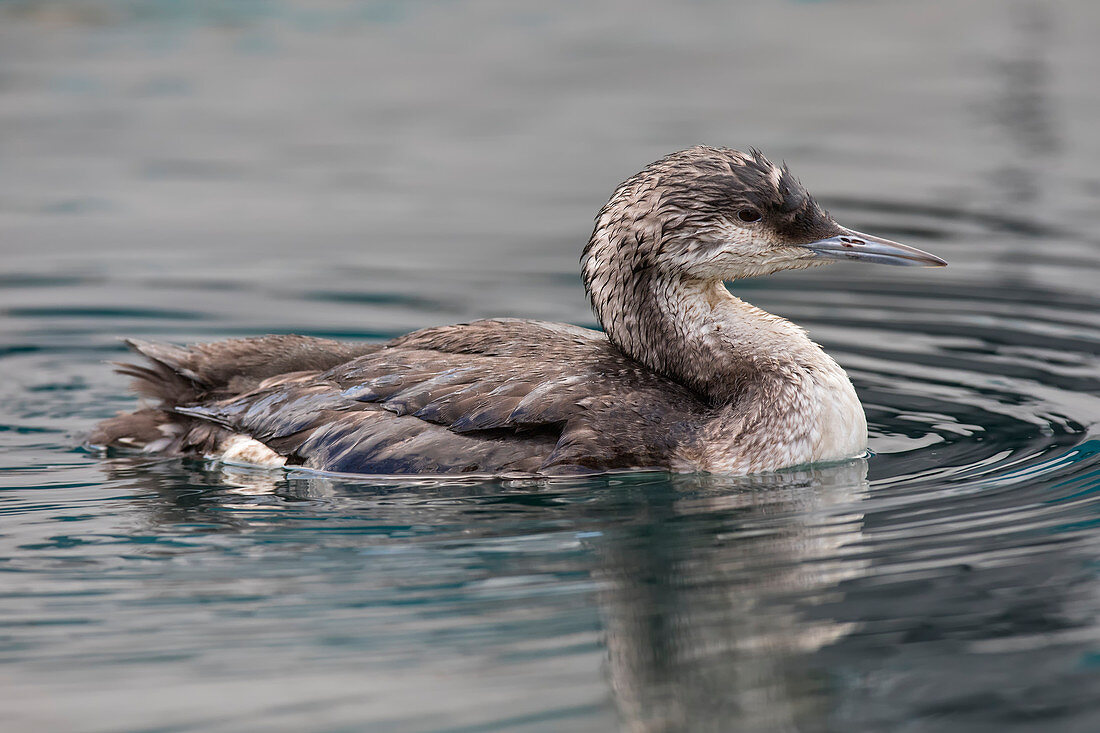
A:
[687,377]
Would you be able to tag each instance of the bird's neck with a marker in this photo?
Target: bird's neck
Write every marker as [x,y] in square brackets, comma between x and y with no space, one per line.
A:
[779,399]
[698,334]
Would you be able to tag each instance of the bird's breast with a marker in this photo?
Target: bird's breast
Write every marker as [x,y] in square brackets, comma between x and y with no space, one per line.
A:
[806,416]
[839,424]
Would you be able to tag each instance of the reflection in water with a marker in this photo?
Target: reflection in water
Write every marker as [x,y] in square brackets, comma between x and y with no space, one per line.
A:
[802,601]
[704,592]
[703,583]
[805,600]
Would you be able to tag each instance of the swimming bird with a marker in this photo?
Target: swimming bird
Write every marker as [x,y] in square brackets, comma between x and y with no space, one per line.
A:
[685,377]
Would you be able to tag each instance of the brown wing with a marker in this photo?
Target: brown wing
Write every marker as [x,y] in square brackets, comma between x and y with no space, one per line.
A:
[490,396]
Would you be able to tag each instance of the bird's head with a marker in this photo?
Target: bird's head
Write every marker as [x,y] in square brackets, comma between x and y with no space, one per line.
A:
[719,214]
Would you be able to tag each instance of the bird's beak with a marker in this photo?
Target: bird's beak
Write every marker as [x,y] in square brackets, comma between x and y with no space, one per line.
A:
[853,245]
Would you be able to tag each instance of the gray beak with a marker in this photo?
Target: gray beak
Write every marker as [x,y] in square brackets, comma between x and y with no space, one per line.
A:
[853,245]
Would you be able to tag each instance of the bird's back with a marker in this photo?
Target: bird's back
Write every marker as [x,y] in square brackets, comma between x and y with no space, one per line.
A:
[489,397]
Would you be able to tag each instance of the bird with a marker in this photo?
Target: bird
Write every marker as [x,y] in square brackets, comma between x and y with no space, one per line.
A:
[684,377]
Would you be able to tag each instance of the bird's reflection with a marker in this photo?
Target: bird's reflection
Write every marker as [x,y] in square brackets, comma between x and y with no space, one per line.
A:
[702,594]
[703,581]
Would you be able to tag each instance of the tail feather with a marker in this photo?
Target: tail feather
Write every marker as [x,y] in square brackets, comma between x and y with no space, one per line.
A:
[159,383]
[175,358]
[180,379]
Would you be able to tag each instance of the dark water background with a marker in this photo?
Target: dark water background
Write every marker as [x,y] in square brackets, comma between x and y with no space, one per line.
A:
[191,171]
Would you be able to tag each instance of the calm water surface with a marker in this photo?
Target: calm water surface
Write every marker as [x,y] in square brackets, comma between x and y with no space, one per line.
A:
[196,171]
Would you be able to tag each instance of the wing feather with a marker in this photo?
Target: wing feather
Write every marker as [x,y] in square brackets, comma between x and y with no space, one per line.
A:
[487,397]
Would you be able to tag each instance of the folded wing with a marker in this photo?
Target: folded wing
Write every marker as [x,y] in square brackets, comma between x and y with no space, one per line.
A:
[487,397]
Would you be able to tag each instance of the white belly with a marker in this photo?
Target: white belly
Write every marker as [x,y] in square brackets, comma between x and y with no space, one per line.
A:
[814,417]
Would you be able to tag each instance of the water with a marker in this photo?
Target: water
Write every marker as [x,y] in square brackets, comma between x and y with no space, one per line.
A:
[196,171]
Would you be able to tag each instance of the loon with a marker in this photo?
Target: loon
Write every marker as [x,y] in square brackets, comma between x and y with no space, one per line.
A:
[685,377]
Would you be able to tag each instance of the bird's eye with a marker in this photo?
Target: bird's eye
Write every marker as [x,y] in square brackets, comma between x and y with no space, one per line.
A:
[748,215]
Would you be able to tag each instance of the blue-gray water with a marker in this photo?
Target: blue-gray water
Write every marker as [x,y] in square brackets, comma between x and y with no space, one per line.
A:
[191,171]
